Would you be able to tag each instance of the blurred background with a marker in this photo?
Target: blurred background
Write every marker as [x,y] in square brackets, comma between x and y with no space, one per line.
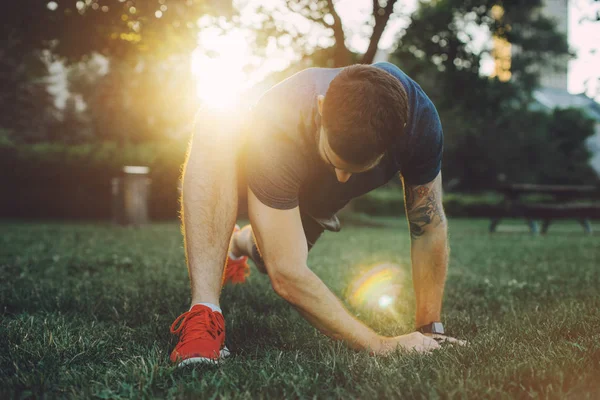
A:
[91,86]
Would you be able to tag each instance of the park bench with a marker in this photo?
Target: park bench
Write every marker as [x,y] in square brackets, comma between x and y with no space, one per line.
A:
[567,204]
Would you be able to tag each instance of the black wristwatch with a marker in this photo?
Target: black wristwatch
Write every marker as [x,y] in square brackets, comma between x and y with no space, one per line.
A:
[434,327]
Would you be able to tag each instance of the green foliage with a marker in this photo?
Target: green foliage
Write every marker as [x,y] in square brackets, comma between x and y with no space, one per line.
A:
[473,206]
[567,133]
[26,108]
[280,22]
[389,201]
[132,103]
[86,311]
[519,146]
[489,130]
[440,35]
[147,92]
[125,30]
[52,180]
[384,201]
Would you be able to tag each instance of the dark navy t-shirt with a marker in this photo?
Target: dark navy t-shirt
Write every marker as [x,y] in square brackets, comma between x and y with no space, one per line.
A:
[283,165]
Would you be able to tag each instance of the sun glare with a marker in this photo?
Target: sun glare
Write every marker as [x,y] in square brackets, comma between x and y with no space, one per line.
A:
[218,65]
[385,301]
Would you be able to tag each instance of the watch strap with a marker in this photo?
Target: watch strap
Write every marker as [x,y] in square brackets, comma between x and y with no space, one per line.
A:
[434,327]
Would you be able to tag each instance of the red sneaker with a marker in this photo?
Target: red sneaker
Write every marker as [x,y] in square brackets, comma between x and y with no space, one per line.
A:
[236,271]
[201,337]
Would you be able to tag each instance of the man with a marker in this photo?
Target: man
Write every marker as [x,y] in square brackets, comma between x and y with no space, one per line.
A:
[314,142]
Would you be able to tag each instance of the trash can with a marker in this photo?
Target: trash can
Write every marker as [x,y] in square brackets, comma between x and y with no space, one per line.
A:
[130,194]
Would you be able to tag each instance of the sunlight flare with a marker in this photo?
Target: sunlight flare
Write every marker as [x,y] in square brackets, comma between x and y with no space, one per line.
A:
[385,301]
[218,65]
[377,288]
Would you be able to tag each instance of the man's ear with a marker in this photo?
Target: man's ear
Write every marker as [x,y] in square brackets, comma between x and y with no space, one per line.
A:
[320,100]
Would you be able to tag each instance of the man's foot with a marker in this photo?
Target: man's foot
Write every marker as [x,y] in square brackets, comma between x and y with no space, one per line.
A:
[201,337]
[237,269]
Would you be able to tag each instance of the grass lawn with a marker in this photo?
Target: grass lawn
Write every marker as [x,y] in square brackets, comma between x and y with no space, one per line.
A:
[85,311]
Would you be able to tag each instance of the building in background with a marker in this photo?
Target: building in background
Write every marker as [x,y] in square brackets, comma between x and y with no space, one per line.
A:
[556,76]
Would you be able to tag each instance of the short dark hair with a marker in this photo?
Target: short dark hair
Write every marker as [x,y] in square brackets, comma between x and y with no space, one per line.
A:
[364,112]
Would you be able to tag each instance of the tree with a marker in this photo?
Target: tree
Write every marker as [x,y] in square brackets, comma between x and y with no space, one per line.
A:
[73,127]
[489,129]
[324,16]
[27,106]
[148,45]
[125,29]
[568,132]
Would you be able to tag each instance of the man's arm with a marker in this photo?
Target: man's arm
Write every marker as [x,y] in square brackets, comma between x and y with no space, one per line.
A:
[429,247]
[282,244]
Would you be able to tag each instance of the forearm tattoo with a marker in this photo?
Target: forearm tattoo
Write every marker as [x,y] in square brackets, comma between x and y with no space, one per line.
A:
[423,208]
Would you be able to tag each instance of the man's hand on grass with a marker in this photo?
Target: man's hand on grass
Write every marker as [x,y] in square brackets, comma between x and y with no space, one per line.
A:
[414,341]
[446,339]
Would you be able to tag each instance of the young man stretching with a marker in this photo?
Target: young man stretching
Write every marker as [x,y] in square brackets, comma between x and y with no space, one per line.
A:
[314,142]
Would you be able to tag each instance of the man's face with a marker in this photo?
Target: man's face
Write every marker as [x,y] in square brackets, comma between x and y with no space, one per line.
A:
[343,170]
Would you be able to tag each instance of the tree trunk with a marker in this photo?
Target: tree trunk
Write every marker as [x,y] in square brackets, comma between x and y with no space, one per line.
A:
[382,16]
[341,55]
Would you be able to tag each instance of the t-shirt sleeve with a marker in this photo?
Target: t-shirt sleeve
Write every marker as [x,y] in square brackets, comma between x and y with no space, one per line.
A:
[425,161]
[275,166]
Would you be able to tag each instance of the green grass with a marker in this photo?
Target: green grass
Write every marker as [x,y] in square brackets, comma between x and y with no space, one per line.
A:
[85,311]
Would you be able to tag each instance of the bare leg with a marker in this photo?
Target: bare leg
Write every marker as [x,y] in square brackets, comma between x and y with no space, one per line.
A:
[209,204]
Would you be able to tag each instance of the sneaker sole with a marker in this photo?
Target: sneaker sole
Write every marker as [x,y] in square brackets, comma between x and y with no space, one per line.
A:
[205,360]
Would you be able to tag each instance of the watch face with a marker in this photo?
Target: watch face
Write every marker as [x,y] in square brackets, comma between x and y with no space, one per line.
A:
[437,327]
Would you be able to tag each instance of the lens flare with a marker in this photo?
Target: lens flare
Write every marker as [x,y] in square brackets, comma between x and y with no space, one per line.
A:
[377,288]
[385,301]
